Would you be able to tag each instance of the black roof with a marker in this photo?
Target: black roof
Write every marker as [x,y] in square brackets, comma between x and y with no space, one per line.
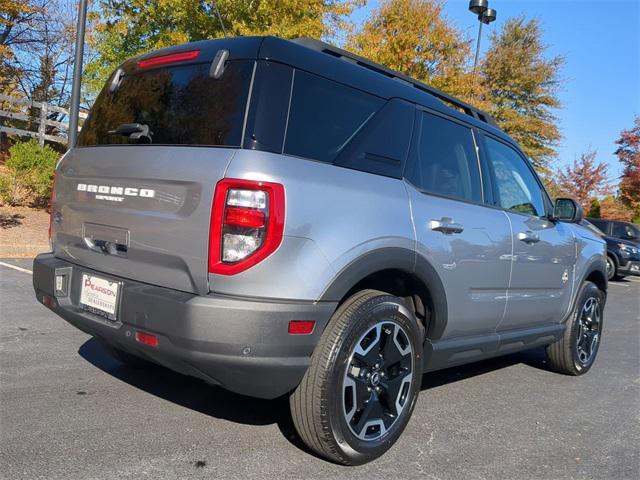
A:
[339,65]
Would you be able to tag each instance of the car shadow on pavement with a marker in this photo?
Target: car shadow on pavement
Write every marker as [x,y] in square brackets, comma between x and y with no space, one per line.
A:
[535,358]
[195,394]
[216,402]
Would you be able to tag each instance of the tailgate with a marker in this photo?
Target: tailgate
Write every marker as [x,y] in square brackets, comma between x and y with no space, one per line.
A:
[139,212]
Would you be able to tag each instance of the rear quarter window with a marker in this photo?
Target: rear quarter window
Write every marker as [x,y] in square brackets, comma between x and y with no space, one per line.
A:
[182,105]
[324,116]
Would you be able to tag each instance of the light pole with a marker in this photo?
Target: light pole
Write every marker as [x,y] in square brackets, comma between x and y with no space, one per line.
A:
[77,74]
[485,15]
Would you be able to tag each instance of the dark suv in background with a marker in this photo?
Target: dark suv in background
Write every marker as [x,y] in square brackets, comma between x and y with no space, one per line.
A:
[623,256]
[617,229]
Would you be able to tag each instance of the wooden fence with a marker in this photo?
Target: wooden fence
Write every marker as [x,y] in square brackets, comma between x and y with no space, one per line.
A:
[14,108]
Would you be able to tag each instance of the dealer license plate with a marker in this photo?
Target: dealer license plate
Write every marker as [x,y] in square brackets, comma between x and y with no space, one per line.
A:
[99,295]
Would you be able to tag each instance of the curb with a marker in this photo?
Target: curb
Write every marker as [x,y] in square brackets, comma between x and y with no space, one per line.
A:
[7,251]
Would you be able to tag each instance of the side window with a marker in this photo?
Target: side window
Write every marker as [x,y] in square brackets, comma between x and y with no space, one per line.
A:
[447,162]
[516,185]
[381,147]
[622,230]
[324,116]
[602,226]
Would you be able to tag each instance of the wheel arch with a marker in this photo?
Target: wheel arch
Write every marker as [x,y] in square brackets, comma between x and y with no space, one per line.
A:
[401,272]
[595,272]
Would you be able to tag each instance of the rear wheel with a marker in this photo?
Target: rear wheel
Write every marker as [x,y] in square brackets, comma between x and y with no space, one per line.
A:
[359,392]
[576,351]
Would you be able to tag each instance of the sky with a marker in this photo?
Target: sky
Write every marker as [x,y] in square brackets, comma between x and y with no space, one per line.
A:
[600,41]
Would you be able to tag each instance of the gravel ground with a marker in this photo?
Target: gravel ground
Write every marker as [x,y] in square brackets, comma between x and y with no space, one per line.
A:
[23,231]
[69,411]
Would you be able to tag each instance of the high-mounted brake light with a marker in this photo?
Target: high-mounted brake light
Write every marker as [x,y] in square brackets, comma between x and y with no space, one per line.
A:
[169,58]
[247,224]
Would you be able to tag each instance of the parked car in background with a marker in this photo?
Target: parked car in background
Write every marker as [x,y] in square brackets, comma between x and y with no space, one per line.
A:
[623,256]
[617,229]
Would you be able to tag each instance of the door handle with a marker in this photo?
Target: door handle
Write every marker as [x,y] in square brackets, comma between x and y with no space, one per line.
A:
[528,237]
[446,225]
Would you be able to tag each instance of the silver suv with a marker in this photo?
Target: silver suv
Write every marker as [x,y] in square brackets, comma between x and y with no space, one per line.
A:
[285,218]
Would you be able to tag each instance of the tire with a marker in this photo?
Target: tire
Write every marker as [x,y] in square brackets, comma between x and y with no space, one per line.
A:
[576,351]
[329,409]
[612,267]
[128,359]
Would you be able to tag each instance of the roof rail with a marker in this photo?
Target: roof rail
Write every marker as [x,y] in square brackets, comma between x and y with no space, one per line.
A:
[382,70]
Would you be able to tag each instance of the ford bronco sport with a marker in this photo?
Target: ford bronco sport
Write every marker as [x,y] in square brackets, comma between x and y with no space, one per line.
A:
[285,218]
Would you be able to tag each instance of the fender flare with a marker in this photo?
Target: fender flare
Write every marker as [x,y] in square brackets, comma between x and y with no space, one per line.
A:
[596,265]
[395,258]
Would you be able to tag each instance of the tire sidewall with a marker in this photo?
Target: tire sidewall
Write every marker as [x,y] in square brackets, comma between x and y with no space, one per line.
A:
[387,308]
[611,274]
[589,290]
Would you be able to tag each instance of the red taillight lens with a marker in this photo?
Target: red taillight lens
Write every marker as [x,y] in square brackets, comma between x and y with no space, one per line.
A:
[170,58]
[247,224]
[52,200]
[244,217]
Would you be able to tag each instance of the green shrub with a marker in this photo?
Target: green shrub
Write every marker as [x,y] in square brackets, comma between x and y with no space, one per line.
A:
[6,188]
[30,173]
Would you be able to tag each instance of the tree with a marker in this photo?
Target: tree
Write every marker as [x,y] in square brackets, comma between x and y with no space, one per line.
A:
[125,28]
[613,208]
[628,153]
[594,211]
[415,38]
[520,86]
[585,180]
[36,46]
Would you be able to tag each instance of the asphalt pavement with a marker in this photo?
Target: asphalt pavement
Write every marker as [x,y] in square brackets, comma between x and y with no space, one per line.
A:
[69,411]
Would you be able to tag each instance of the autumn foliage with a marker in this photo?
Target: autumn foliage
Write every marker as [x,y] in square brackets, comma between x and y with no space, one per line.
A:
[628,153]
[585,180]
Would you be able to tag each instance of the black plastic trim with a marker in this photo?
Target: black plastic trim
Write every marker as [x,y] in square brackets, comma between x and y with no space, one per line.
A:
[394,258]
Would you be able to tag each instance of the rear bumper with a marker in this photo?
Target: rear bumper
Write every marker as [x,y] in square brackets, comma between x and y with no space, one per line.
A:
[241,345]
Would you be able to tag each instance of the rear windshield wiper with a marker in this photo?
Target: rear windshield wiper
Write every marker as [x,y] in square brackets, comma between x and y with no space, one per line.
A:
[135,131]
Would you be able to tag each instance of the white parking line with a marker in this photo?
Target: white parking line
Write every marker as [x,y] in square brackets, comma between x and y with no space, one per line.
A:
[616,284]
[15,267]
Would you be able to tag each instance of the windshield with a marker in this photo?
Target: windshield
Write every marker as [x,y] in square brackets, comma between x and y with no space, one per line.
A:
[592,228]
[176,105]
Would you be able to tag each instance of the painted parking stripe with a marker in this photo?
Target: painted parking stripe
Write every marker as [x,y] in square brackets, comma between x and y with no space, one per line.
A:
[15,267]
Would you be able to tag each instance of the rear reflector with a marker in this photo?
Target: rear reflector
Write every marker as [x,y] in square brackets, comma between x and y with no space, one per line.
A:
[301,327]
[49,301]
[147,339]
[170,58]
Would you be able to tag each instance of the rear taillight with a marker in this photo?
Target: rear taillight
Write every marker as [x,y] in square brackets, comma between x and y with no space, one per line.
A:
[247,222]
[52,200]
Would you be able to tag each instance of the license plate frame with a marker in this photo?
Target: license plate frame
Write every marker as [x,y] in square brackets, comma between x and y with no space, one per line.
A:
[100,296]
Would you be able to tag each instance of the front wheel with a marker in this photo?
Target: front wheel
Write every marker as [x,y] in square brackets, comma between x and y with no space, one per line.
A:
[575,352]
[360,389]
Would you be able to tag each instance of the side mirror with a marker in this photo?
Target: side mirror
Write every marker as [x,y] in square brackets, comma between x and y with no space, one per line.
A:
[568,210]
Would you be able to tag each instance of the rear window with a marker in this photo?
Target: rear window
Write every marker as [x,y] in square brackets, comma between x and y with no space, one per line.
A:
[324,116]
[181,105]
